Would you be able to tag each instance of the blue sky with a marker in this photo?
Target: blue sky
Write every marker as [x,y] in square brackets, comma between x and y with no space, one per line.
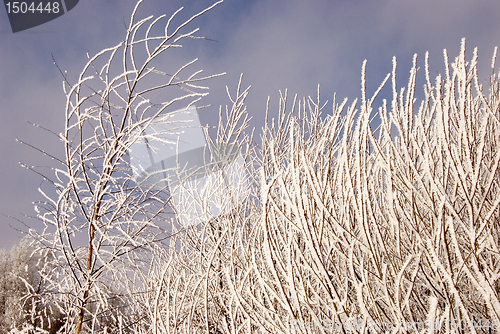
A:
[294,44]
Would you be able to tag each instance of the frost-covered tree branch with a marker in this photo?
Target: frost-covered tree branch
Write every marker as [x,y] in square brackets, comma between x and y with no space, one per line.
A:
[102,225]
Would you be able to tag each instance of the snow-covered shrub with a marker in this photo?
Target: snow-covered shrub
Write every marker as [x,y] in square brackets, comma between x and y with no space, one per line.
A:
[351,228]
[187,290]
[12,270]
[22,289]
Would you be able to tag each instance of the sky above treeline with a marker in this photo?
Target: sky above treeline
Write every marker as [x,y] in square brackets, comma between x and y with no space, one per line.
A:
[277,45]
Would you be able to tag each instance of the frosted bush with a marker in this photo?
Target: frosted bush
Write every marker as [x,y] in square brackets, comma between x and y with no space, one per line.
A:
[353,228]
[21,291]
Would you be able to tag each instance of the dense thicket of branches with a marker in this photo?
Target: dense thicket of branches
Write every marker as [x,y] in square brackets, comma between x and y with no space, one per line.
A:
[346,227]
[351,228]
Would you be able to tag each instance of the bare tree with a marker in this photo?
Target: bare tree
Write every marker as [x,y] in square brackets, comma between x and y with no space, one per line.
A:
[101,223]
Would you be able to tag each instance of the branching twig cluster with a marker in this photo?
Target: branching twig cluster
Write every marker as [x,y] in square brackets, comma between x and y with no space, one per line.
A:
[342,227]
[354,229]
[101,225]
